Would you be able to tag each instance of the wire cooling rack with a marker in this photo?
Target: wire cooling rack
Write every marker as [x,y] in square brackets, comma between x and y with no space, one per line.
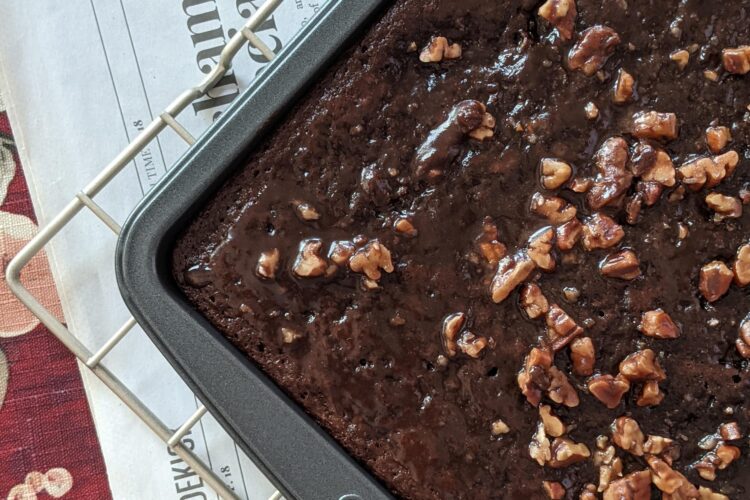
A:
[85,200]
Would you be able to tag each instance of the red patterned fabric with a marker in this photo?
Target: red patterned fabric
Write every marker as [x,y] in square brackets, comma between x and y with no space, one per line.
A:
[48,444]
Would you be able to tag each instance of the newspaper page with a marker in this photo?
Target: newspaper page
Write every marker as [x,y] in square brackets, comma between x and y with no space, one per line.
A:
[82,78]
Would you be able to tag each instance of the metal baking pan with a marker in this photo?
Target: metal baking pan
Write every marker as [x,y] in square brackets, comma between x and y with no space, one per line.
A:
[301,459]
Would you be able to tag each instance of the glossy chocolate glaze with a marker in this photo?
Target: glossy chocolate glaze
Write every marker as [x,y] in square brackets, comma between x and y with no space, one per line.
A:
[369,365]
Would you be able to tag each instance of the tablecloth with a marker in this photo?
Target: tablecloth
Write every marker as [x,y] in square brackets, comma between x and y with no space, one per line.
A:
[48,443]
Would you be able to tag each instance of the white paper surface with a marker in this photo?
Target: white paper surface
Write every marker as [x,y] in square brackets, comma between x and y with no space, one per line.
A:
[81,77]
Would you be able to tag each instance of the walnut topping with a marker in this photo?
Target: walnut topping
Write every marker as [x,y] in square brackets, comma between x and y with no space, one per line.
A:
[533,379]
[669,480]
[370,259]
[726,207]
[452,326]
[593,49]
[601,231]
[568,235]
[309,263]
[486,129]
[711,75]
[623,265]
[627,434]
[268,263]
[555,173]
[658,445]
[305,211]
[742,266]
[658,324]
[554,208]
[553,426]
[708,494]
[608,389]
[511,272]
[340,251]
[582,356]
[553,489]
[581,184]
[730,431]
[715,279]
[717,138]
[613,178]
[539,447]
[681,58]
[662,171]
[708,171]
[288,335]
[561,327]
[588,493]
[560,389]
[610,466]
[591,110]
[641,366]
[650,395]
[643,158]
[472,345]
[499,427]
[655,125]
[533,301]
[726,454]
[743,341]
[404,226]
[492,250]
[565,452]
[736,60]
[650,191]
[439,49]
[634,486]
[623,91]
[540,248]
[561,14]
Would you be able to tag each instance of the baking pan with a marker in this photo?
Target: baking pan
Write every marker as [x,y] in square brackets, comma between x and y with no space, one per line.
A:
[301,459]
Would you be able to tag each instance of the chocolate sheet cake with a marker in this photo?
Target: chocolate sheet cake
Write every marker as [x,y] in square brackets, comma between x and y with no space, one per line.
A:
[502,249]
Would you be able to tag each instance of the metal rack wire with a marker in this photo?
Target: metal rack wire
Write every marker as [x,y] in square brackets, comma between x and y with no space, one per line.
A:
[85,200]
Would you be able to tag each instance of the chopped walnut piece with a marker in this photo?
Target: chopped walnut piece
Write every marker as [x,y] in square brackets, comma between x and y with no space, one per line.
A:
[708,494]
[650,395]
[568,235]
[540,248]
[744,194]
[623,90]
[404,226]
[706,466]
[715,279]
[643,158]
[486,129]
[741,266]
[708,171]
[452,325]
[655,125]
[730,431]
[309,263]
[268,263]
[717,138]
[539,447]
[340,251]
[561,14]
[533,301]
[560,389]
[499,427]
[711,75]
[613,178]
[627,434]
[591,110]
[492,250]
[305,211]
[511,272]
[532,379]
[555,173]
[693,173]
[582,356]
[634,486]
[662,170]
[726,454]
[736,60]
[669,480]
[633,208]
[554,208]
[681,57]
[743,341]
[657,445]
[593,49]
[471,345]
[641,366]
[726,207]
[588,493]
[288,335]
[370,259]
[561,327]
[623,265]
[566,452]
[553,489]
[553,426]
[650,191]
[658,324]
[608,389]
[439,49]
[601,231]
[610,466]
